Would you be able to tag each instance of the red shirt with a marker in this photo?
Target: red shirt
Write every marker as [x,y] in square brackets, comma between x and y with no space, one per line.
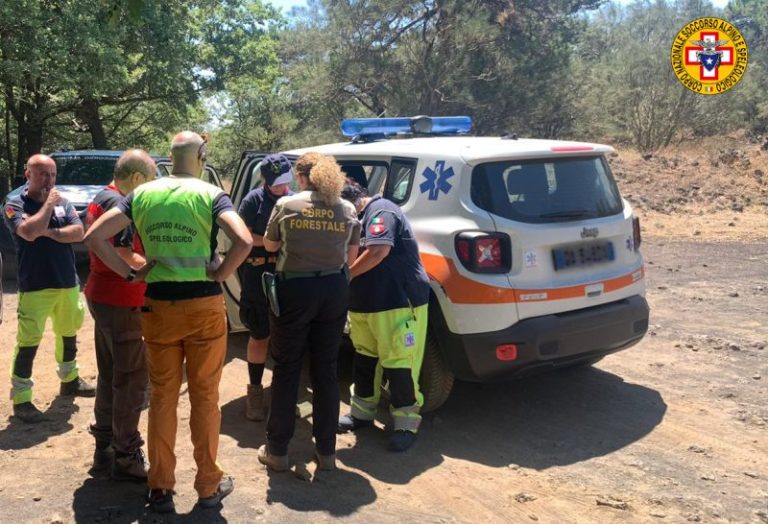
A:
[104,286]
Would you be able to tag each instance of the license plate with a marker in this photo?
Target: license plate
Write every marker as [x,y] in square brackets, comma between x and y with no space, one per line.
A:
[583,255]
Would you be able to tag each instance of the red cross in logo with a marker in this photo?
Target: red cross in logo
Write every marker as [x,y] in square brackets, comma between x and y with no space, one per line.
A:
[726,55]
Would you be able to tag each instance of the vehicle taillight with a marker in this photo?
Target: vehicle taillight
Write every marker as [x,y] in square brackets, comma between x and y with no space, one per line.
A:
[482,252]
[636,238]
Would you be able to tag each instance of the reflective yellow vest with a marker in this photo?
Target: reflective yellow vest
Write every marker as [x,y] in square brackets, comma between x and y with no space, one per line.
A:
[174,218]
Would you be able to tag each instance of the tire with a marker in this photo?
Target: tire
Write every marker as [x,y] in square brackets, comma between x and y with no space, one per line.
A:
[436,380]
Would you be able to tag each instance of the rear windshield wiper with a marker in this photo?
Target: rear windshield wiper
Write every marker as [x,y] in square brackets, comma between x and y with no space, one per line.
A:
[573,213]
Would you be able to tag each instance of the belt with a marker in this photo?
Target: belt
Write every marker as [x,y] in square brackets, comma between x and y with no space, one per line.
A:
[260,261]
[289,275]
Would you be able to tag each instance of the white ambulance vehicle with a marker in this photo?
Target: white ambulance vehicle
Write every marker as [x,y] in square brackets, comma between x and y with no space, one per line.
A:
[532,254]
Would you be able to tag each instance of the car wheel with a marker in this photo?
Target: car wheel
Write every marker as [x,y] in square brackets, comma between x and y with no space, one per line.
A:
[436,380]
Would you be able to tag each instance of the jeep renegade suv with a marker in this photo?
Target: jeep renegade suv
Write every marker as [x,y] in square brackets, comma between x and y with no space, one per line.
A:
[532,254]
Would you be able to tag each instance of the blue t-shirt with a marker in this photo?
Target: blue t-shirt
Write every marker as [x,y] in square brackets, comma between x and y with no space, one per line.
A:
[399,280]
[255,210]
[43,263]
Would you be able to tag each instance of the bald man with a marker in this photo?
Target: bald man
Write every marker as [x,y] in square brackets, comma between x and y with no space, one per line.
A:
[44,226]
[178,218]
[115,305]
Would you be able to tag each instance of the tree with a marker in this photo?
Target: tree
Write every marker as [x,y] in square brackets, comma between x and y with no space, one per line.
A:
[627,89]
[498,61]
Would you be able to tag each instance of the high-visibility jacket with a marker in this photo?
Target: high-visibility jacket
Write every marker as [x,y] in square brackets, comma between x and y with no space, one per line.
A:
[174,218]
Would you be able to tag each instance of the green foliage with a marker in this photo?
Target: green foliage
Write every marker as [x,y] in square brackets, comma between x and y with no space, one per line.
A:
[121,73]
[497,61]
[751,17]
[130,73]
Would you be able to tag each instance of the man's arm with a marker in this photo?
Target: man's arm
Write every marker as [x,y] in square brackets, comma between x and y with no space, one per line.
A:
[258,240]
[99,240]
[65,235]
[131,258]
[234,227]
[37,225]
[371,257]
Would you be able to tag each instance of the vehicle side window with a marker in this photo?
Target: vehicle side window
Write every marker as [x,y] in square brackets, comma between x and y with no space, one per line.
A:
[370,175]
[400,179]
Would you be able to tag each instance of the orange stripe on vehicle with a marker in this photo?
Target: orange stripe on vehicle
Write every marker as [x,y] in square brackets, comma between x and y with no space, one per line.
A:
[461,290]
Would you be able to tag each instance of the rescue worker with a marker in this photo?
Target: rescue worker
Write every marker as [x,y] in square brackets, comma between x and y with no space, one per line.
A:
[317,235]
[44,226]
[255,210]
[184,319]
[389,293]
[115,306]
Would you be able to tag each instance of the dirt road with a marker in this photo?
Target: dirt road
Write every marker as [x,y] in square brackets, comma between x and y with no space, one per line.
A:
[672,430]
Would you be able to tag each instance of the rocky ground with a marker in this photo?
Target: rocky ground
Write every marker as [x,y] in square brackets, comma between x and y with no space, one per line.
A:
[674,429]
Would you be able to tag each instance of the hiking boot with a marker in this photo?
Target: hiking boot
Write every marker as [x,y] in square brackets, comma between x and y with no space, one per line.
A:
[325,462]
[350,423]
[254,403]
[226,486]
[130,466]
[27,412]
[77,388]
[273,462]
[401,440]
[102,457]
[161,500]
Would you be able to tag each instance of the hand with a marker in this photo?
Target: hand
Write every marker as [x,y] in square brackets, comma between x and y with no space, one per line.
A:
[143,271]
[212,267]
[53,197]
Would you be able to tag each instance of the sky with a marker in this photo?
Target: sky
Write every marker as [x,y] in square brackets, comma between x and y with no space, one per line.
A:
[286,5]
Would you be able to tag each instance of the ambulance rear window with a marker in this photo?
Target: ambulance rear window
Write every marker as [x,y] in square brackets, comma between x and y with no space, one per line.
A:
[546,190]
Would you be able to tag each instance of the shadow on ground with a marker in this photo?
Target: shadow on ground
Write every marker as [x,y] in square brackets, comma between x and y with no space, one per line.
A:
[19,435]
[549,420]
[104,500]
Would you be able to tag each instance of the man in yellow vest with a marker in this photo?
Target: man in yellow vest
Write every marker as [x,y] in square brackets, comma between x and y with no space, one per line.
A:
[178,219]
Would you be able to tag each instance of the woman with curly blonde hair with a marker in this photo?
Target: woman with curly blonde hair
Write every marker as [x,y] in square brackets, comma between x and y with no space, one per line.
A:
[316,234]
[322,174]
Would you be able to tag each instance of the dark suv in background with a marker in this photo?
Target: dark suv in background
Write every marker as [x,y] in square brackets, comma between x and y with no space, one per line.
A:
[80,175]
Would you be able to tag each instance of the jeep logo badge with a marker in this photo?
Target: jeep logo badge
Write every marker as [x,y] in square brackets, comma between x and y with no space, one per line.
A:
[589,232]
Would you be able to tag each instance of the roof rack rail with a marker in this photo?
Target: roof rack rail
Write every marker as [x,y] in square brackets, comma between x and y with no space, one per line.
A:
[370,129]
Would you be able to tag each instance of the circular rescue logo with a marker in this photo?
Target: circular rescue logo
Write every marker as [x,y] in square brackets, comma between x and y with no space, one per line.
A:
[709,56]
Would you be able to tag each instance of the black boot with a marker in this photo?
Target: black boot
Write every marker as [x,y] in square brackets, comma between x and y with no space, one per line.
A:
[27,412]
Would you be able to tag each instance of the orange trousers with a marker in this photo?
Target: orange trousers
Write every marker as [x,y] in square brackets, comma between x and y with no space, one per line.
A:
[194,330]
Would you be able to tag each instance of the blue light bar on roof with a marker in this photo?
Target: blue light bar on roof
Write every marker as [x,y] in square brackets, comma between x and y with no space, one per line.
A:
[437,125]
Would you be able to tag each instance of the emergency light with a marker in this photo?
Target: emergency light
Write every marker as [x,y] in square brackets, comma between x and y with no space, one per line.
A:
[418,125]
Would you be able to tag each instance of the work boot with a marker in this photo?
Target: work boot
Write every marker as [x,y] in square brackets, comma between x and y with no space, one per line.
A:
[77,388]
[254,403]
[102,457]
[325,462]
[161,500]
[401,440]
[226,486]
[27,412]
[351,423]
[273,462]
[130,466]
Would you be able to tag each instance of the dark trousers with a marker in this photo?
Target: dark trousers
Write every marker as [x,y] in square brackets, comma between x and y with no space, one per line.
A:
[122,382]
[312,316]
